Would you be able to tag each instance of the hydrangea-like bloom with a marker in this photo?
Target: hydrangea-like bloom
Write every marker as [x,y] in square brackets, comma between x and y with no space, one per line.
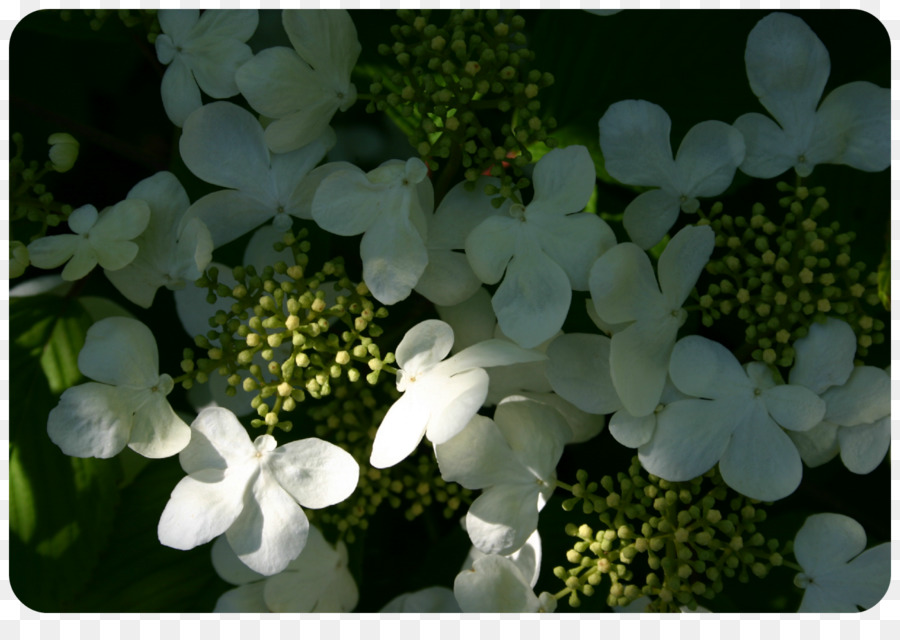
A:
[173,250]
[103,238]
[858,401]
[635,139]
[224,145]
[839,574]
[388,205]
[624,289]
[788,67]
[316,581]
[439,397]
[203,50]
[250,491]
[541,252]
[300,90]
[126,406]
[735,417]
[513,458]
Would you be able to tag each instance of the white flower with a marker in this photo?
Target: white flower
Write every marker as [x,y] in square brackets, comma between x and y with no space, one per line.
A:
[316,581]
[63,151]
[104,239]
[788,67]
[224,145]
[495,584]
[173,250]
[541,252]
[250,491]
[203,50]
[439,397]
[857,417]
[735,417]
[513,459]
[126,406]
[634,137]
[839,574]
[624,289]
[388,206]
[301,89]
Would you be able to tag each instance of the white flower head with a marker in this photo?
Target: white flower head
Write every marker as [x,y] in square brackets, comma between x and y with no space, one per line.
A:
[224,145]
[172,251]
[624,289]
[788,67]
[513,459]
[839,574]
[316,581]
[301,89]
[635,139]
[252,491]
[126,405]
[103,238]
[440,396]
[203,50]
[543,251]
[388,206]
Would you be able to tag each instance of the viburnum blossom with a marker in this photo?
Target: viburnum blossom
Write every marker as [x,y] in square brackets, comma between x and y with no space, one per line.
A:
[301,89]
[252,491]
[635,139]
[543,251]
[788,67]
[440,396]
[126,405]
[203,50]
[839,574]
[104,238]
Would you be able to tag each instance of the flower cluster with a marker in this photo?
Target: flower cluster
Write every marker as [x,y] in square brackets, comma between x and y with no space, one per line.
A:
[448,329]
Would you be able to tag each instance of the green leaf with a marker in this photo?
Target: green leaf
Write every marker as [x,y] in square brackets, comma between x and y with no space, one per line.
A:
[61,508]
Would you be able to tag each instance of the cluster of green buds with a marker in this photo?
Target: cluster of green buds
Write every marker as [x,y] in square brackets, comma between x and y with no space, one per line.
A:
[29,198]
[289,333]
[145,18]
[463,93]
[670,542]
[779,274]
[350,420]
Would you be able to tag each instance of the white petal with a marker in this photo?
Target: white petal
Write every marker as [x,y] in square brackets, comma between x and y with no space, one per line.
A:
[158,432]
[230,214]
[533,300]
[574,242]
[631,431]
[563,182]
[824,358]
[428,600]
[180,93]
[865,398]
[203,505]
[448,279]
[424,345]
[623,287]
[271,530]
[494,585]
[394,256]
[583,426]
[649,217]
[92,420]
[302,127]
[639,362]
[478,457]
[490,246]
[401,430]
[682,262]
[864,446]
[460,397]
[770,151]
[229,566]
[578,370]
[247,598]
[214,61]
[51,251]
[460,211]
[826,541]
[535,431]
[218,441]
[120,351]
[707,159]
[632,125]
[503,517]
[853,128]
[276,82]
[817,445]
[489,353]
[472,320]
[794,407]
[327,40]
[705,369]
[316,473]
[178,24]
[123,221]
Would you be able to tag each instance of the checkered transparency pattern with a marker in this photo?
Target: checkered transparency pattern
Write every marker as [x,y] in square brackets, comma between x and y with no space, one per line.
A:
[17,621]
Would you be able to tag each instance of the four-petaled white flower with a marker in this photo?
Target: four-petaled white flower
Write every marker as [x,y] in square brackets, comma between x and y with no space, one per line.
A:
[788,66]
[513,459]
[839,574]
[624,289]
[541,252]
[103,238]
[388,206]
[172,251]
[439,397]
[316,581]
[734,417]
[252,491]
[224,145]
[634,137]
[126,406]
[301,89]
[203,50]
